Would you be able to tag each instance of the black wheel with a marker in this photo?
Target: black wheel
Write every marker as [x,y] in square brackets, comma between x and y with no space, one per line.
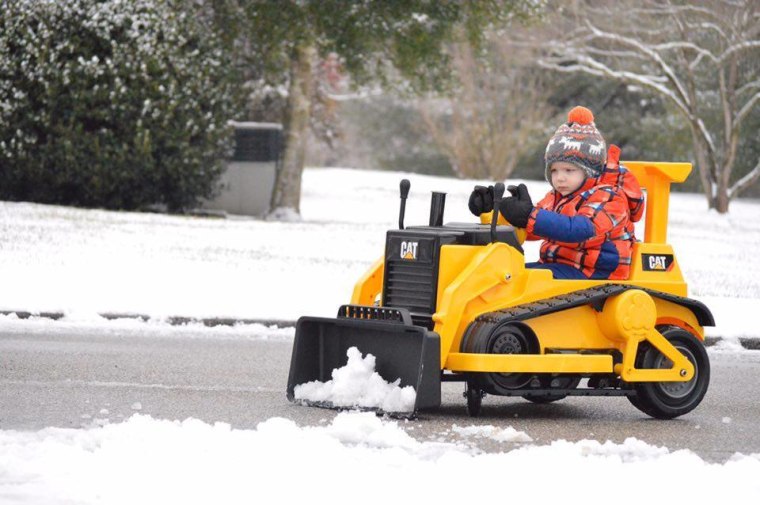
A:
[635,402]
[509,340]
[666,400]
[474,397]
[485,338]
[559,382]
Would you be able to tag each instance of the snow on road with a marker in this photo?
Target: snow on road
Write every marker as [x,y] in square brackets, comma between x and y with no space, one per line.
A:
[357,458]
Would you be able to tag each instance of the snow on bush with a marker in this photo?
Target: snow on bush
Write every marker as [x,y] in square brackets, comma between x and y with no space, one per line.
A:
[110,103]
[358,385]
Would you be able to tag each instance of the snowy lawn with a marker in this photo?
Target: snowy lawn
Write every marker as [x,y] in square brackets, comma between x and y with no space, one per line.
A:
[80,262]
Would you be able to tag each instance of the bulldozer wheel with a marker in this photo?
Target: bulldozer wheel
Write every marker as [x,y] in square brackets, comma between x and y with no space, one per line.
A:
[513,338]
[509,339]
[666,400]
[474,397]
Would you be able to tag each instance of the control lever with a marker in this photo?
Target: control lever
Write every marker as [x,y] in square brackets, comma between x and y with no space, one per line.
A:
[498,192]
[404,188]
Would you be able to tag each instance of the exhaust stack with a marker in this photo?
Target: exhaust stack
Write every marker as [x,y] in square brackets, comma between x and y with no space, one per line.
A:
[437,203]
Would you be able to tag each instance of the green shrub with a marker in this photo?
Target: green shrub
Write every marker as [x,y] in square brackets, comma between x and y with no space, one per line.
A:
[110,104]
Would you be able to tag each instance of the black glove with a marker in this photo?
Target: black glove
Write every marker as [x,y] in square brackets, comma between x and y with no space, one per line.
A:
[517,208]
[481,200]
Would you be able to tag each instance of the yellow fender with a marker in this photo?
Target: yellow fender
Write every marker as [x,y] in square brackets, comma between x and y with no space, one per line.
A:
[369,285]
[630,317]
[489,268]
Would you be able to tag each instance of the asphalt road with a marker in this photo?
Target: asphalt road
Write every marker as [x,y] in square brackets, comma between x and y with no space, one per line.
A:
[77,380]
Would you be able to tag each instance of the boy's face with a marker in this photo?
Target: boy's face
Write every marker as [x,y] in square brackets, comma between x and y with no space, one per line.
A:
[566,177]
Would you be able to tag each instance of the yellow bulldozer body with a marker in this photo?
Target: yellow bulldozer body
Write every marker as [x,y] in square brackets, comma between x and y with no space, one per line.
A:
[475,280]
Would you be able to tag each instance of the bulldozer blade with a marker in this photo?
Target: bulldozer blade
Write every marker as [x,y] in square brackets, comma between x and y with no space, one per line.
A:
[402,351]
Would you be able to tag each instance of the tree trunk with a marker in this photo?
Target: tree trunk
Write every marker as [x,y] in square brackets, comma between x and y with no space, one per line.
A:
[721,197]
[703,164]
[286,198]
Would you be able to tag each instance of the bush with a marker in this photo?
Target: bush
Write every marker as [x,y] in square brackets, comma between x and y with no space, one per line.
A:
[110,104]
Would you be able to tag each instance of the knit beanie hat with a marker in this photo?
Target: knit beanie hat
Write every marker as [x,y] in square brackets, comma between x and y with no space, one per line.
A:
[578,142]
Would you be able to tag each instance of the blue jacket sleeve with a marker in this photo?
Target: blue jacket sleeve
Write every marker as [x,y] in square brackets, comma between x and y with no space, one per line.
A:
[563,228]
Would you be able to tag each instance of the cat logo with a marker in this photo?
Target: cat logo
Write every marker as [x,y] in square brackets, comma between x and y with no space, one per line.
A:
[657,262]
[409,250]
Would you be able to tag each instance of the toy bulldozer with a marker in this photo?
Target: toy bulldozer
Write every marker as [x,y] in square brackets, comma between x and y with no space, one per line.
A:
[455,302]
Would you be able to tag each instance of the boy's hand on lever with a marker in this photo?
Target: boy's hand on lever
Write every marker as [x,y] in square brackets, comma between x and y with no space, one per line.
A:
[481,200]
[517,208]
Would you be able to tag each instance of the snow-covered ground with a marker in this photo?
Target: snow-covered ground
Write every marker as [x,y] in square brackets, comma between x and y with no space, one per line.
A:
[356,458]
[58,259]
[85,262]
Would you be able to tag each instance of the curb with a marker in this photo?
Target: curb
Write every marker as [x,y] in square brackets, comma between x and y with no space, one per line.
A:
[752,344]
[173,320]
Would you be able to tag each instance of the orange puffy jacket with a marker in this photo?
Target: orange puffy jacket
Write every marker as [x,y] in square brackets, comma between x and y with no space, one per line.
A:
[592,228]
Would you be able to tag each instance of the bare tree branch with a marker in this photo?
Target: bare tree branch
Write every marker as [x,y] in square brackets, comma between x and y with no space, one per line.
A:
[745,181]
[709,26]
[594,67]
[749,44]
[667,70]
[686,45]
[701,57]
[485,125]
[748,87]
[745,110]
[615,54]
[675,9]
[696,61]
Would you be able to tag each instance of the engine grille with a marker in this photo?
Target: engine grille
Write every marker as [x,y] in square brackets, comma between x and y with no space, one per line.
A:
[410,285]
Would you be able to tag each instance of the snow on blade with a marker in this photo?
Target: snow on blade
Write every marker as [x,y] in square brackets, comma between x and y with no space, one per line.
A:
[357,384]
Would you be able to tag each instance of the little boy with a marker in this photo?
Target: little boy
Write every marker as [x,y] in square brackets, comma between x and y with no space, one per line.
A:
[586,220]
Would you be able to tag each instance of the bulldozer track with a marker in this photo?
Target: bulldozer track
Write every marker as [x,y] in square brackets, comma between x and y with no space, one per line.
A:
[594,297]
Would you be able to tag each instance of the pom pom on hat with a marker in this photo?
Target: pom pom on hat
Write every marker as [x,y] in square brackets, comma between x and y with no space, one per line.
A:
[580,115]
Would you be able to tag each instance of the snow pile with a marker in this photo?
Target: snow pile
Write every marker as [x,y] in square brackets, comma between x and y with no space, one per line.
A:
[285,215]
[368,430]
[358,457]
[728,344]
[508,434]
[630,451]
[358,385]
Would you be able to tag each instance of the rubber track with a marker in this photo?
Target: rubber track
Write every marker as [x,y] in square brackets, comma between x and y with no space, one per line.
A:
[595,297]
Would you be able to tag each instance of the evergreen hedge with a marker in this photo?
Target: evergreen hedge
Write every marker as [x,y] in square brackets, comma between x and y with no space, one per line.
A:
[111,104]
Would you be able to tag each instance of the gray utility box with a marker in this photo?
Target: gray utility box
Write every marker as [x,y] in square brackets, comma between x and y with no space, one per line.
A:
[248,180]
